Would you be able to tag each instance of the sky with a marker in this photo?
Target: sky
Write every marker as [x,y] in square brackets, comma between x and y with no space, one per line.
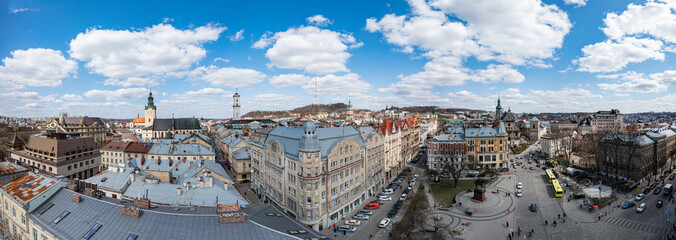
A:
[102,58]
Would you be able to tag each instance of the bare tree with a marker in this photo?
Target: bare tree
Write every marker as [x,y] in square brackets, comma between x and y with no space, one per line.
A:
[562,142]
[453,168]
[403,229]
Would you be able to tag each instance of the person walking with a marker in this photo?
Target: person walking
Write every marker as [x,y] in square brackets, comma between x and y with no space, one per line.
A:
[564,215]
[559,216]
[507,223]
[554,223]
[546,223]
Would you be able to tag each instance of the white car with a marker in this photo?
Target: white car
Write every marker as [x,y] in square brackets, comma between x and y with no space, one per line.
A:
[388,191]
[385,198]
[403,197]
[415,176]
[383,223]
[353,222]
[641,208]
[518,193]
[519,185]
[639,197]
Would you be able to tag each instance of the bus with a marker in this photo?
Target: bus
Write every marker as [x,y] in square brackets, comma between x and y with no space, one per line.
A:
[550,175]
[558,191]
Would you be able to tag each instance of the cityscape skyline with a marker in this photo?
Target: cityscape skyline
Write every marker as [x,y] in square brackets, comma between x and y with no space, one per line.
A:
[564,56]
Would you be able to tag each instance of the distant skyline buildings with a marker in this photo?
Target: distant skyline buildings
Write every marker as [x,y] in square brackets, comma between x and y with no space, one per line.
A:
[537,55]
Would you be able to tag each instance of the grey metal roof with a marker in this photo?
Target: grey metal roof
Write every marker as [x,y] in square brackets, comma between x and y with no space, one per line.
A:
[241,154]
[485,131]
[289,138]
[159,222]
[166,124]
[179,149]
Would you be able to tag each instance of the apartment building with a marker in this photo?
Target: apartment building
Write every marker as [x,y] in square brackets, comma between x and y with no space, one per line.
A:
[314,174]
[93,127]
[446,147]
[21,196]
[393,157]
[65,154]
[374,159]
[487,146]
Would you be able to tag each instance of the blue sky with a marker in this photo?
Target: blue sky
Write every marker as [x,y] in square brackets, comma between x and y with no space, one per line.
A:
[101,59]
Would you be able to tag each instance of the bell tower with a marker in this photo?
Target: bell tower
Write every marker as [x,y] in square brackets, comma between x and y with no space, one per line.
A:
[235,106]
[151,114]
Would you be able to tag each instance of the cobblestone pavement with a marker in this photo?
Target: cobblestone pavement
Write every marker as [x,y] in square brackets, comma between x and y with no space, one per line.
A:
[579,223]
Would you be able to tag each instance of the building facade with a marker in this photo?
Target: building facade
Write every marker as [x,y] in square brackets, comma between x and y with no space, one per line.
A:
[166,128]
[314,174]
[374,159]
[65,154]
[86,126]
[487,146]
[446,147]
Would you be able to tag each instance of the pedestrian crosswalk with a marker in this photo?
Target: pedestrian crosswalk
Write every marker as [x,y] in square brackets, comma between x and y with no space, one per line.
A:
[659,230]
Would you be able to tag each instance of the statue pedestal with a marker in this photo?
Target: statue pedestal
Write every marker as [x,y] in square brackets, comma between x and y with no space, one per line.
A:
[479,195]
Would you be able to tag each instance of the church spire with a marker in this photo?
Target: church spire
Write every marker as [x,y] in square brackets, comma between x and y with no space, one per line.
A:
[150,101]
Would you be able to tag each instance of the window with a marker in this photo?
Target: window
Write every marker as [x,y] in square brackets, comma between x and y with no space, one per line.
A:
[132,237]
[63,215]
[91,232]
[23,219]
[13,212]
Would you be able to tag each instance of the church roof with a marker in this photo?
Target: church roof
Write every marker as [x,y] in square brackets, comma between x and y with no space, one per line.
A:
[139,120]
[168,124]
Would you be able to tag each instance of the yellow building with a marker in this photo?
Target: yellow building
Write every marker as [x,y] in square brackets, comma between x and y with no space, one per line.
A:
[20,197]
[487,147]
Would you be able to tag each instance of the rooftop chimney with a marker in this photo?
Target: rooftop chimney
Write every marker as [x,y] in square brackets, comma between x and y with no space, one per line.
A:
[178,191]
[191,163]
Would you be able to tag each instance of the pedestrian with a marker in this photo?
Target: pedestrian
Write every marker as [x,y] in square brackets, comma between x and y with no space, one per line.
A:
[370,236]
[532,230]
[564,220]
[554,223]
[508,210]
[546,223]
[559,216]
[507,223]
[564,215]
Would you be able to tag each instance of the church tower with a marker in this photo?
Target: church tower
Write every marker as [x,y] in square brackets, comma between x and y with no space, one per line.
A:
[498,111]
[151,114]
[235,106]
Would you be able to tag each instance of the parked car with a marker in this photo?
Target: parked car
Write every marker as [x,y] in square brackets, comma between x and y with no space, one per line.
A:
[353,222]
[403,196]
[671,177]
[397,205]
[533,207]
[372,206]
[641,208]
[657,191]
[361,217]
[377,201]
[383,223]
[365,212]
[639,197]
[647,190]
[385,198]
[519,185]
[407,190]
[628,205]
[416,175]
[531,168]
[392,213]
[518,193]
[347,228]
[659,203]
[388,191]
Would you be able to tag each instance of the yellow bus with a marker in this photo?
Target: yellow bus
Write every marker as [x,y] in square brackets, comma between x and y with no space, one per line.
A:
[558,191]
[550,175]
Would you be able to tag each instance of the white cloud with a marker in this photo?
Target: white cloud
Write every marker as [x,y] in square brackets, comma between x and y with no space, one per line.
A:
[337,85]
[166,20]
[308,48]
[289,80]
[238,36]
[124,93]
[222,60]
[577,3]
[610,56]
[150,53]
[227,77]
[636,82]
[318,20]
[214,92]
[132,81]
[640,33]
[18,10]
[35,67]
[566,99]
[667,77]
[525,32]
[72,97]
